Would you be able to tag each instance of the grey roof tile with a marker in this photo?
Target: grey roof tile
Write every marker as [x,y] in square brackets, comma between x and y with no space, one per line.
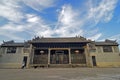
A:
[12,44]
[53,40]
[106,43]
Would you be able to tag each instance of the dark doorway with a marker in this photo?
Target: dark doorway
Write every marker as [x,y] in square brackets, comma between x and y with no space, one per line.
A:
[94,61]
[25,60]
[59,57]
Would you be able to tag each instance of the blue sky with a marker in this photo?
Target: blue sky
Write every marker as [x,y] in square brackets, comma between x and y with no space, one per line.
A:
[94,19]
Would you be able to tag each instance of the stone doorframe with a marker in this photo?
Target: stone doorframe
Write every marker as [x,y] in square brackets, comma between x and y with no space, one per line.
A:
[59,49]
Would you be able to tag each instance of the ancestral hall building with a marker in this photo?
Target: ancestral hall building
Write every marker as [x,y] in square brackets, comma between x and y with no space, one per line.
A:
[59,52]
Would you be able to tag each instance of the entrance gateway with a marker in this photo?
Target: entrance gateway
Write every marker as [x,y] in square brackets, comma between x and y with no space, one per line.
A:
[58,51]
[57,56]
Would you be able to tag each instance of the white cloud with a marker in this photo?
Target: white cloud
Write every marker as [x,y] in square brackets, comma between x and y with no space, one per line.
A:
[103,12]
[12,27]
[9,9]
[10,31]
[96,36]
[37,26]
[115,37]
[70,22]
[38,29]
[39,4]
[32,25]
[32,18]
[67,15]
[10,35]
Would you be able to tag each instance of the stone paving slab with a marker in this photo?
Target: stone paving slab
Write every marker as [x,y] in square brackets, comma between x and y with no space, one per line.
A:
[61,74]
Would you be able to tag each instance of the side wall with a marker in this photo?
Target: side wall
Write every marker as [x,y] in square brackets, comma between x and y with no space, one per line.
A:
[106,59]
[11,60]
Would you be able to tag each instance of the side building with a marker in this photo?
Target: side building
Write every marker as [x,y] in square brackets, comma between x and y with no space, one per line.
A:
[104,54]
[60,52]
[13,54]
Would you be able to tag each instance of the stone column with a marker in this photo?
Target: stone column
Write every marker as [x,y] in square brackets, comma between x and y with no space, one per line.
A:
[69,55]
[30,55]
[87,54]
[49,56]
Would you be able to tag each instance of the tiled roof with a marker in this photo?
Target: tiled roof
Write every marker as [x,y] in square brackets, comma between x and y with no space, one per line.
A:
[107,42]
[12,44]
[60,40]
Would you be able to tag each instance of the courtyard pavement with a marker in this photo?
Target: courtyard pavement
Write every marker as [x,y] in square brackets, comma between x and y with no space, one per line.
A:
[61,74]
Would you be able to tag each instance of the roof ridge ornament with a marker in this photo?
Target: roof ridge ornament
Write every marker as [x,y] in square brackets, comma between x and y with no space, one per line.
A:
[37,38]
[111,41]
[81,37]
